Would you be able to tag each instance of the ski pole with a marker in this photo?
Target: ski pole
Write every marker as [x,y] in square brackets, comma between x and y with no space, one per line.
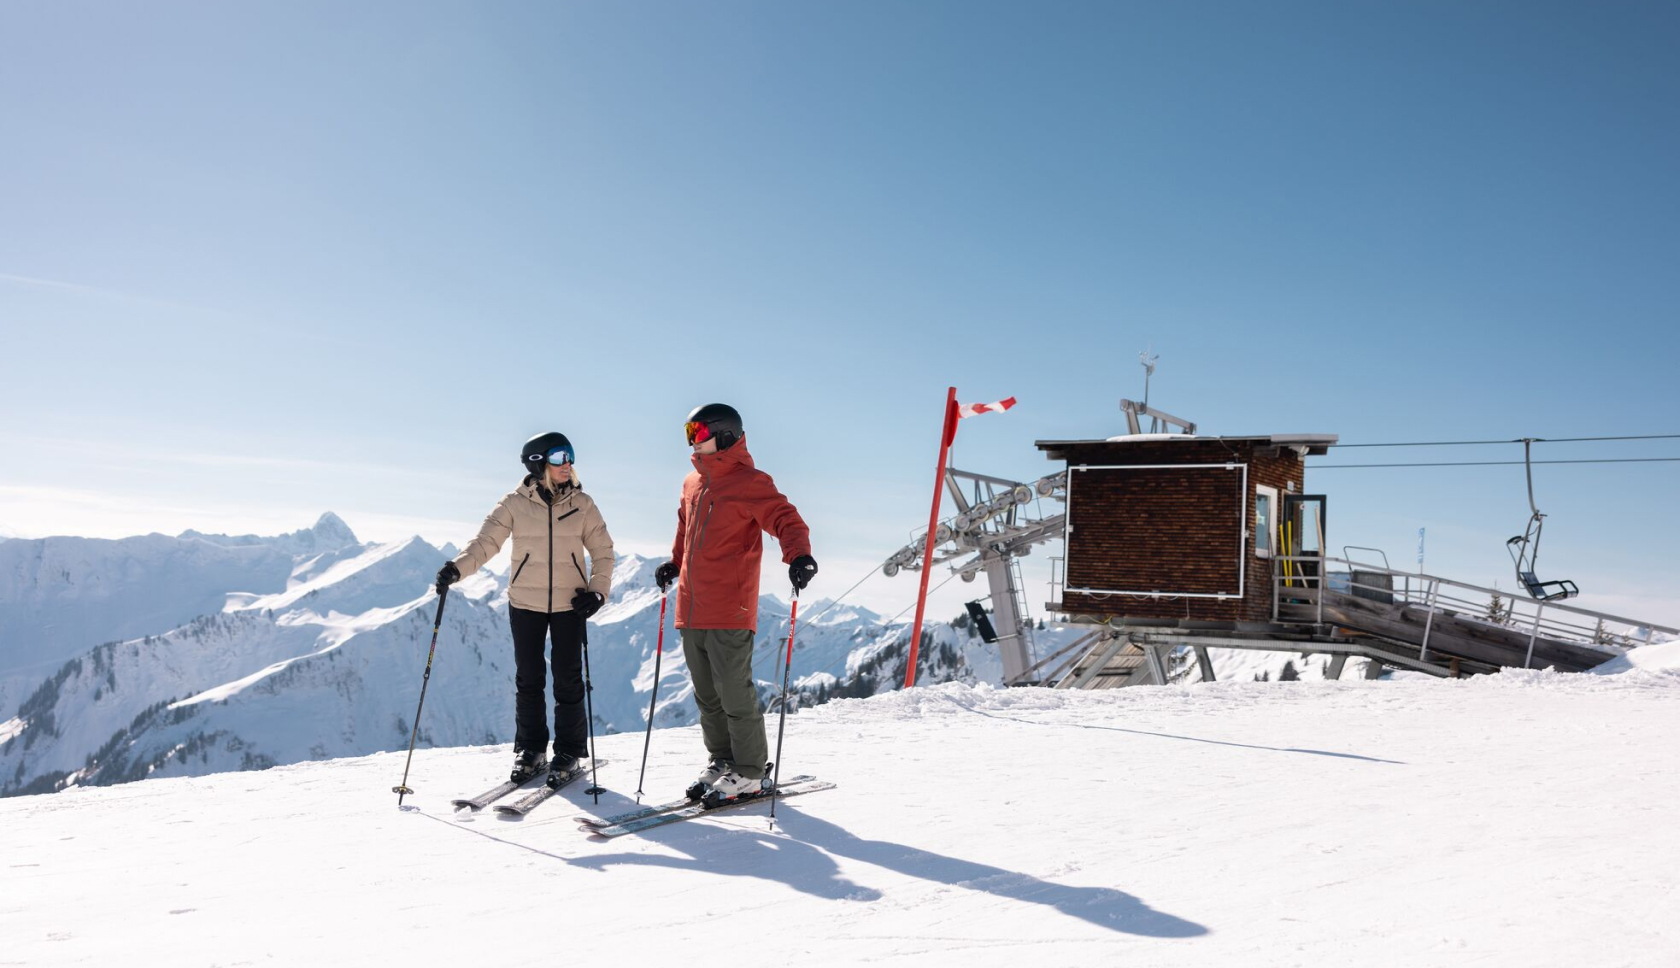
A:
[781,727]
[401,789]
[589,710]
[588,695]
[659,653]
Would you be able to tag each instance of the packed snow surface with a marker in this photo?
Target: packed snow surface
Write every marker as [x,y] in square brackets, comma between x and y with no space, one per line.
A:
[1661,657]
[1523,819]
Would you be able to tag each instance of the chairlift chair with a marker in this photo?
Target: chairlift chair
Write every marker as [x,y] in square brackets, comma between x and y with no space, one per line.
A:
[1525,548]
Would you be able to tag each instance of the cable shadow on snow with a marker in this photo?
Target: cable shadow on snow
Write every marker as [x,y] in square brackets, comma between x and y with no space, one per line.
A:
[803,859]
[456,825]
[1191,739]
[617,802]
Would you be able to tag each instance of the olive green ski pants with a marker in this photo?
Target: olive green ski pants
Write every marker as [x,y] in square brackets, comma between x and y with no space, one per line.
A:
[720,662]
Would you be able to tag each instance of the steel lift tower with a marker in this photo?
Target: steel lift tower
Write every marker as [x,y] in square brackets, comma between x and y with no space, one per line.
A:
[996,522]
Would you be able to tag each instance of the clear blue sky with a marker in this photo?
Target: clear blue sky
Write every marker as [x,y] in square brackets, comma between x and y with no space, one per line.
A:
[262,260]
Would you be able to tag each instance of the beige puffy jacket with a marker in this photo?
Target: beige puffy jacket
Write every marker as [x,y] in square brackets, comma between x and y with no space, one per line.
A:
[550,543]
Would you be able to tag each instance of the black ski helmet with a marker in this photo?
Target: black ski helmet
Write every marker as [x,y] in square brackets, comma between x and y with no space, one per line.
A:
[535,453]
[722,422]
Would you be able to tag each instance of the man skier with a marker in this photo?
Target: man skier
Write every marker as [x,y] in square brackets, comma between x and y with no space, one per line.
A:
[726,505]
[553,524]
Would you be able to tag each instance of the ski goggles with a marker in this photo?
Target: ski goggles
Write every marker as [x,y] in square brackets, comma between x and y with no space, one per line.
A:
[697,431]
[560,455]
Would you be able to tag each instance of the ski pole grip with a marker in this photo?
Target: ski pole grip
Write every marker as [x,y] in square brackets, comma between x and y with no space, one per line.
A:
[443,596]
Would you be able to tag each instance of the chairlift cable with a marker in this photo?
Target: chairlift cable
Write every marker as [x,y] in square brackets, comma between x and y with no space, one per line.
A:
[843,595]
[842,663]
[908,607]
[1501,463]
[830,605]
[1518,440]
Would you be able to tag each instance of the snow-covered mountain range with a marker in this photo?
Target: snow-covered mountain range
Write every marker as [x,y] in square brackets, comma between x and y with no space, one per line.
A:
[226,653]
[60,595]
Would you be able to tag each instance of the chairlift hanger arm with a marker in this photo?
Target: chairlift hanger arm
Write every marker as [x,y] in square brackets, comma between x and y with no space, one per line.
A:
[1525,549]
[1528,467]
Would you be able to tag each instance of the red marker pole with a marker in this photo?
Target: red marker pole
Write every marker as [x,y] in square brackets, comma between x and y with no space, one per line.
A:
[947,433]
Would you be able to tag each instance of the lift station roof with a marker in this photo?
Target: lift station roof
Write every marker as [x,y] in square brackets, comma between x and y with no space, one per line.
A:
[1313,444]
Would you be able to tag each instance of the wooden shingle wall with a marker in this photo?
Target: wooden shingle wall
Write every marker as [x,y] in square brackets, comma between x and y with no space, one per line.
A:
[1172,530]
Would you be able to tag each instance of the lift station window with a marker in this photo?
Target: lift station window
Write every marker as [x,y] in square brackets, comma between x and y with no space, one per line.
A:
[1265,520]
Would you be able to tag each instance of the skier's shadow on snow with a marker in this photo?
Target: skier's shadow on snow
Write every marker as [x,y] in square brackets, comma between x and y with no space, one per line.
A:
[802,857]
[742,853]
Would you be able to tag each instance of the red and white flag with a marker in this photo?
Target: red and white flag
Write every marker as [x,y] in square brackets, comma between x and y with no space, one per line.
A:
[975,409]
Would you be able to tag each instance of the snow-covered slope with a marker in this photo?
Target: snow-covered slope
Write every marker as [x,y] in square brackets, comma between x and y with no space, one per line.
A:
[1510,821]
[328,665]
[1657,657]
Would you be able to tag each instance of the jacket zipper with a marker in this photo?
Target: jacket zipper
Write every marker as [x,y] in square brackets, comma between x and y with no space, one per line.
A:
[548,512]
[699,539]
[521,568]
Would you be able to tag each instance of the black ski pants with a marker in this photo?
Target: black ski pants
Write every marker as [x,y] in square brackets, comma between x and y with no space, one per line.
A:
[530,679]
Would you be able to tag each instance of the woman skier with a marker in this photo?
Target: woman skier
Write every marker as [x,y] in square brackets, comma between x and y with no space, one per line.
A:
[554,524]
[726,505]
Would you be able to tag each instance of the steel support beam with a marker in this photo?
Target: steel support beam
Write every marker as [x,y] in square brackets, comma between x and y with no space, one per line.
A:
[1204,663]
[1157,664]
[1006,618]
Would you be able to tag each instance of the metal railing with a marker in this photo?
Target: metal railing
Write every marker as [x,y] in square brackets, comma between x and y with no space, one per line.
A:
[1611,634]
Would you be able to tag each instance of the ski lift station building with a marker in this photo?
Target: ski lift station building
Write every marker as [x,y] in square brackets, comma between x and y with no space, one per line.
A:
[1174,526]
[1175,543]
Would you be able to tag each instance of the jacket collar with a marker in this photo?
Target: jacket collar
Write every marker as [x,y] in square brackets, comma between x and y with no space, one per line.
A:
[529,488]
[724,461]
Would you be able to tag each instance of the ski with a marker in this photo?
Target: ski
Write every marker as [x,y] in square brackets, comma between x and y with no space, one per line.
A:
[789,789]
[532,800]
[491,795]
[655,809]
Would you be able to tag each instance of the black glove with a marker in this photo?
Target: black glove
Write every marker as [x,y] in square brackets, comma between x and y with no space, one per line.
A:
[803,569]
[665,574]
[447,575]
[587,603]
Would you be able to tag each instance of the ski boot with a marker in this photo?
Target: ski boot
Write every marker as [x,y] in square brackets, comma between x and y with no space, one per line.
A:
[734,786]
[526,764]
[561,768]
[708,776]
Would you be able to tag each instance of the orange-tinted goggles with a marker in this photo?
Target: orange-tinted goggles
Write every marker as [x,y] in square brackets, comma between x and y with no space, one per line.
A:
[697,432]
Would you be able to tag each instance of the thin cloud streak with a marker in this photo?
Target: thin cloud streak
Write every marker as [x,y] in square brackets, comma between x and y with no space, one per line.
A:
[134,457]
[43,511]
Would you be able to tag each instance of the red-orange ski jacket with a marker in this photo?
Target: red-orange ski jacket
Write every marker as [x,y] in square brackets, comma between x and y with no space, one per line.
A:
[727,504]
